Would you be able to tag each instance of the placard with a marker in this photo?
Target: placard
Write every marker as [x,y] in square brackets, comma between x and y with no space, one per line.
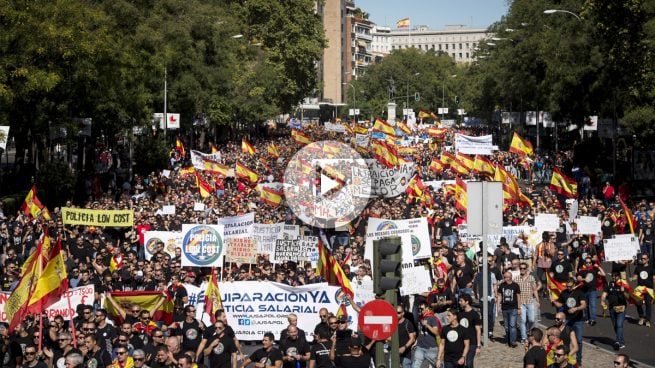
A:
[588,225]
[238,226]
[241,250]
[546,222]
[168,210]
[379,180]
[416,280]
[170,239]
[202,245]
[78,295]
[199,206]
[620,249]
[299,249]
[106,218]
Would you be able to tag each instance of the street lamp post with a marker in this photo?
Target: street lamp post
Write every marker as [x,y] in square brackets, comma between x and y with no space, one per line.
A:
[553,11]
[443,94]
[407,94]
[354,101]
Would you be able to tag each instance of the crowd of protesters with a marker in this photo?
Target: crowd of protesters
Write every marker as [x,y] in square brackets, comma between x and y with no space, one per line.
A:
[517,272]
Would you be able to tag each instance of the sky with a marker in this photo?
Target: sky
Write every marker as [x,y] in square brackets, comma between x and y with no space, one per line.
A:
[435,13]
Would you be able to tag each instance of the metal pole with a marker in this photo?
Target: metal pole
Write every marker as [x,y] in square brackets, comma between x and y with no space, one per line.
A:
[165,97]
[443,96]
[537,117]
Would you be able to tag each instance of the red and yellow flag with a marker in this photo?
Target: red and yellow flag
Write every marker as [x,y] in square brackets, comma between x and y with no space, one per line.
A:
[248,148]
[458,167]
[628,216]
[404,128]
[204,188]
[437,133]
[271,196]
[385,153]
[466,161]
[521,146]
[116,262]
[562,184]
[436,165]
[447,158]
[33,207]
[483,166]
[245,173]
[273,150]
[415,187]
[403,23]
[187,171]
[180,147]
[384,127]
[213,147]
[555,287]
[300,137]
[511,189]
[461,197]
[213,301]
[146,300]
[360,129]
[329,268]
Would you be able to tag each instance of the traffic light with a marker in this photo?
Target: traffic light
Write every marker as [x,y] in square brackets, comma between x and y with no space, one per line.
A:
[387,270]
[457,100]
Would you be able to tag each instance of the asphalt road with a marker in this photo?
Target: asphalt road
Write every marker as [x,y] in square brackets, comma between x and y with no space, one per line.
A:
[639,340]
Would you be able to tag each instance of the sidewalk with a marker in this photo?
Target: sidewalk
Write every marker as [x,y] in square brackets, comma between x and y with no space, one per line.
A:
[499,355]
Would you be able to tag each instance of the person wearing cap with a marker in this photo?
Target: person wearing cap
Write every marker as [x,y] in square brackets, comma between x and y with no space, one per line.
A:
[613,298]
[358,356]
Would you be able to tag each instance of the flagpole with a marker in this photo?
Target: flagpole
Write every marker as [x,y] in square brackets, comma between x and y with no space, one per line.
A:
[40,331]
[70,308]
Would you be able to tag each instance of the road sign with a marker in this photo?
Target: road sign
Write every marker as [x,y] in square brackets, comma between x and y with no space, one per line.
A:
[378,320]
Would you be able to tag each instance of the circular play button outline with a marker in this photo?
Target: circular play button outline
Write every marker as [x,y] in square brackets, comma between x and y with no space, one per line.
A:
[321,184]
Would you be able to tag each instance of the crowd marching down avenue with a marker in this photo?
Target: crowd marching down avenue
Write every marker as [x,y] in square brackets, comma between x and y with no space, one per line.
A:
[209,262]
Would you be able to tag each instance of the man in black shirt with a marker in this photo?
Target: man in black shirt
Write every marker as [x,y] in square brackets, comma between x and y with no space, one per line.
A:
[508,295]
[573,302]
[464,275]
[645,278]
[406,337]
[561,269]
[454,343]
[295,351]
[267,356]
[220,348]
[320,353]
[613,299]
[535,357]
[472,323]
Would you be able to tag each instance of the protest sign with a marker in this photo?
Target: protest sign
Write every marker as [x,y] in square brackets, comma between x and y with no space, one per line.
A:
[382,228]
[202,245]
[363,290]
[170,240]
[619,249]
[238,226]
[264,237]
[241,250]
[634,240]
[299,249]
[78,295]
[588,225]
[482,145]
[168,210]
[361,140]
[546,222]
[379,180]
[334,127]
[416,280]
[199,206]
[106,218]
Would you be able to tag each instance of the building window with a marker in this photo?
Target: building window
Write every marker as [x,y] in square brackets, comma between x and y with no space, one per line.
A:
[439,47]
[467,55]
[460,46]
[446,46]
[453,54]
[467,45]
[453,46]
[420,47]
[433,47]
[460,55]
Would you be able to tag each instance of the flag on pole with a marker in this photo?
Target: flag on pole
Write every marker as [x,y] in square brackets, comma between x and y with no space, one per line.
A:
[248,148]
[521,146]
[384,127]
[213,301]
[562,184]
[300,137]
[484,166]
[329,268]
[245,173]
[33,207]
[385,153]
[214,149]
[146,300]
[204,188]
[180,147]
[273,150]
[461,197]
[628,216]
[403,23]
[271,196]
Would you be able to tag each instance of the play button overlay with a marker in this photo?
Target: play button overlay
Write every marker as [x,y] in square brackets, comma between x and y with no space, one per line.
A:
[319,185]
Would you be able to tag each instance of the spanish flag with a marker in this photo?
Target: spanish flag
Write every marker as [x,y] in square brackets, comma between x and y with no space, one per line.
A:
[146,300]
[436,165]
[273,150]
[33,207]
[187,171]
[329,268]
[248,148]
[404,128]
[447,158]
[214,149]
[424,115]
[466,161]
[437,133]
[458,167]
[300,137]
[42,282]
[461,197]
[215,168]
[331,148]
[563,185]
[521,146]
[483,166]
[180,147]
[270,196]
[415,187]
[204,188]
[385,153]
[628,216]
[511,189]
[555,287]
[213,301]
[245,173]
[403,23]
[384,127]
[360,129]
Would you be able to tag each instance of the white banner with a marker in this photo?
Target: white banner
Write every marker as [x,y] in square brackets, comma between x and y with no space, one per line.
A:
[196,296]
[482,145]
[384,182]
[265,235]
[546,222]
[202,245]
[171,240]
[198,158]
[416,280]
[334,127]
[621,249]
[238,226]
[361,140]
[381,228]
[417,229]
[254,307]
[634,240]
[303,248]
[4,136]
[78,295]
[588,225]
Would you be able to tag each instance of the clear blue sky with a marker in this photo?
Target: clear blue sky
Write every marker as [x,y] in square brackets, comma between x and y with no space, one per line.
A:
[435,13]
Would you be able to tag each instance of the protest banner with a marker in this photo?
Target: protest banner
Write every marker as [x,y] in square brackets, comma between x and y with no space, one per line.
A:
[105,218]
[634,240]
[546,222]
[241,250]
[363,290]
[170,240]
[379,180]
[238,226]
[588,225]
[299,249]
[619,249]
[78,295]
[196,295]
[264,237]
[416,280]
[202,245]
[361,140]
[254,308]
[470,145]
[168,210]
[382,228]
[334,127]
